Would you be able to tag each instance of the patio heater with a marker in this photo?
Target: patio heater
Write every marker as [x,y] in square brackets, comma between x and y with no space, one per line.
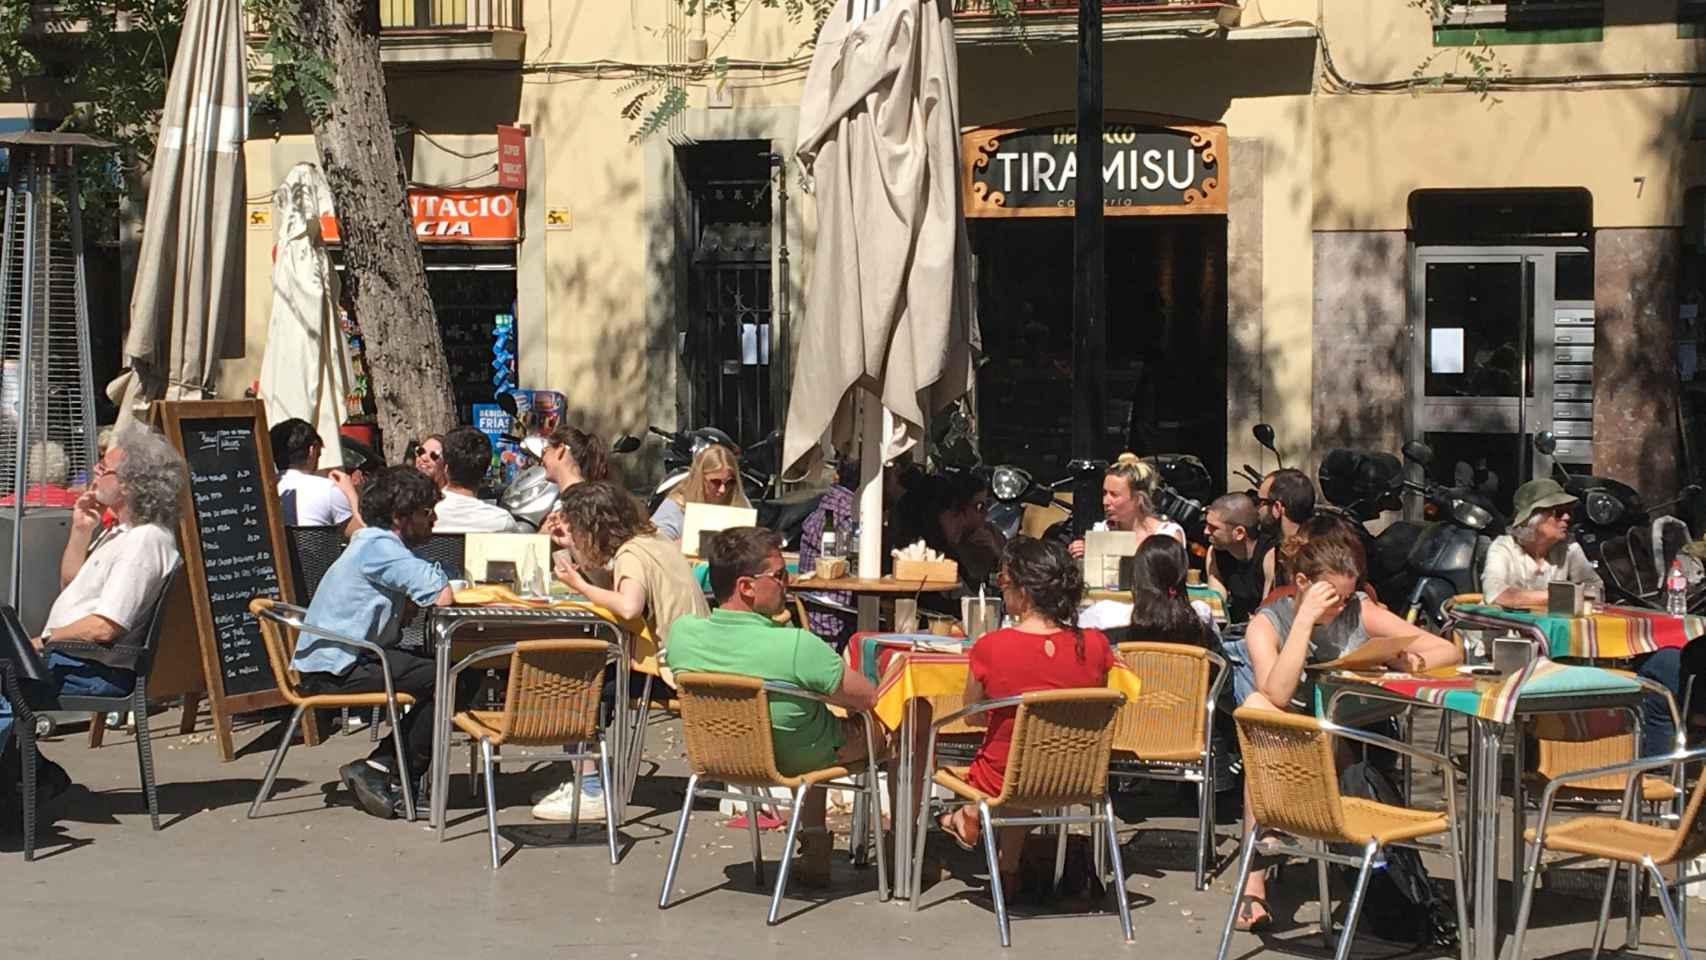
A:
[47,407]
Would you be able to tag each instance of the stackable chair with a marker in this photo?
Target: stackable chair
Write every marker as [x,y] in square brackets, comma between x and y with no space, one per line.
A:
[1062,740]
[726,722]
[1293,788]
[1624,842]
[1166,733]
[552,699]
[146,643]
[275,619]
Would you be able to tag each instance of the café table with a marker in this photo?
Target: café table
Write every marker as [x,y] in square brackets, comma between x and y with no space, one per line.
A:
[1216,602]
[923,673]
[484,625]
[904,593]
[1493,706]
[1609,633]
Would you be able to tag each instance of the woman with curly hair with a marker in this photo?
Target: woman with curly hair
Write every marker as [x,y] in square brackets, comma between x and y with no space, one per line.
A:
[1041,585]
[650,580]
[714,477]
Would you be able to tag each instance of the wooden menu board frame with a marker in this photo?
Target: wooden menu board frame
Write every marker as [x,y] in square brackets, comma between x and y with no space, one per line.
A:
[170,416]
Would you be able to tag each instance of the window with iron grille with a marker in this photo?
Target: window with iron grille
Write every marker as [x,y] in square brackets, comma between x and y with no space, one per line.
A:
[726,352]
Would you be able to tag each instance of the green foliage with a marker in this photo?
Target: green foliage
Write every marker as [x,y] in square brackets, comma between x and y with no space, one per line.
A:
[296,71]
[1474,66]
[113,81]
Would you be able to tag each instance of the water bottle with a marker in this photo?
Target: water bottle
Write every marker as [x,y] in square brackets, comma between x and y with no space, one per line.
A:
[827,547]
[1676,590]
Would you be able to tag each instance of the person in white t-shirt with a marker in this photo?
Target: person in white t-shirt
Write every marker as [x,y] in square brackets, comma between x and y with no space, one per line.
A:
[109,578]
[307,498]
[467,456]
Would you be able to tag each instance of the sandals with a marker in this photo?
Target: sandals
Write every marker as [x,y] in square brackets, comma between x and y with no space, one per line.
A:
[1246,922]
[949,822]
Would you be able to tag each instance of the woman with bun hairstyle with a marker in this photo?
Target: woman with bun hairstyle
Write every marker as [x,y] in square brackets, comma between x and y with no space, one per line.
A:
[1128,492]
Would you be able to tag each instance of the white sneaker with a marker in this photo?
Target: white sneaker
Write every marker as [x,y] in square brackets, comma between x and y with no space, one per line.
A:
[559,805]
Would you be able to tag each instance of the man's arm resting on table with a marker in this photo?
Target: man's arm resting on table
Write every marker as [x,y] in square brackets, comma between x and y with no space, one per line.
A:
[93,628]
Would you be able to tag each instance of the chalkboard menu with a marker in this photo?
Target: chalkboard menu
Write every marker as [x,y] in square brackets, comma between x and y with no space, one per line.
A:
[236,552]
[232,536]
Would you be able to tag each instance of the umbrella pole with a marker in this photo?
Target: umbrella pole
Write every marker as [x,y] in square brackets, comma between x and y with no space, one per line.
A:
[874,420]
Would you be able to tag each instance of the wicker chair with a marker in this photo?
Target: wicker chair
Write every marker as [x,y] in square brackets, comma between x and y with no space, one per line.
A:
[726,721]
[1293,787]
[1623,841]
[1062,740]
[553,695]
[1167,732]
[275,618]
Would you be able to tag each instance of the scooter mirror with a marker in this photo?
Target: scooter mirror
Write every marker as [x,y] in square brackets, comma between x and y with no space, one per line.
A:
[1418,452]
[1546,443]
[627,444]
[1264,434]
[507,401]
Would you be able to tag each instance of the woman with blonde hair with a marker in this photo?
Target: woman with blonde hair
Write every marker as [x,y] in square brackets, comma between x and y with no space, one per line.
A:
[714,477]
[1128,503]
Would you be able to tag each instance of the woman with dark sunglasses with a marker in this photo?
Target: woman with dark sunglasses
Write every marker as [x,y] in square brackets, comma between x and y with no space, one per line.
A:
[427,455]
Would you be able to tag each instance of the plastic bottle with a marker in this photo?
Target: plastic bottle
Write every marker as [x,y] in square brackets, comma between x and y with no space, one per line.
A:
[828,545]
[1676,590]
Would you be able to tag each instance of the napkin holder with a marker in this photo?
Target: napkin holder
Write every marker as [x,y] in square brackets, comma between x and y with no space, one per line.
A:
[929,571]
[1564,598]
[1512,655]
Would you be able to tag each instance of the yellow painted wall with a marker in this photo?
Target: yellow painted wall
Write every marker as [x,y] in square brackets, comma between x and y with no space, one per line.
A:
[1373,150]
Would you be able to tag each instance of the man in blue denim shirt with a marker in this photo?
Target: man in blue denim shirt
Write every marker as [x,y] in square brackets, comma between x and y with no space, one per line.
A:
[367,593]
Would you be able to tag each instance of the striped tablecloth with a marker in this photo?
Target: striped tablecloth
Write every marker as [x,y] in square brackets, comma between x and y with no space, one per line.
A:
[923,674]
[1497,698]
[870,653]
[1611,633]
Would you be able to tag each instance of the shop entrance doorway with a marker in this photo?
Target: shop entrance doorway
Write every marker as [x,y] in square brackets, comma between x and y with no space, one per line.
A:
[1166,350]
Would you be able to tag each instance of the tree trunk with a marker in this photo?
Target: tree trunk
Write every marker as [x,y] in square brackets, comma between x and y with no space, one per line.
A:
[382,261]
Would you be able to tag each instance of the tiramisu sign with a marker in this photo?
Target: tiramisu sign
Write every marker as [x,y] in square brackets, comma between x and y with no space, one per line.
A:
[1150,165]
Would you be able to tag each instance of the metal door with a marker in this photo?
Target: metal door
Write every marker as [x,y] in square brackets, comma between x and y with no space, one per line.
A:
[1498,357]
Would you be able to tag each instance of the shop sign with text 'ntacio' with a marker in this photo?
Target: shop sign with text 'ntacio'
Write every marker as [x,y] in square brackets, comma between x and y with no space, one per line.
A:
[1150,165]
[483,215]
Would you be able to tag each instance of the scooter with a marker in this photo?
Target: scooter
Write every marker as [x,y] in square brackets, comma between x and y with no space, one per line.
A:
[1415,567]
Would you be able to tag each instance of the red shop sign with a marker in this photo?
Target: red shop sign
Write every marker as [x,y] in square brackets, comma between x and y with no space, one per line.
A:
[483,215]
[512,156]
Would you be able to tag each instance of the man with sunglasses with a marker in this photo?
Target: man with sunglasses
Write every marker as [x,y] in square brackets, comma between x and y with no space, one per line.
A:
[742,637]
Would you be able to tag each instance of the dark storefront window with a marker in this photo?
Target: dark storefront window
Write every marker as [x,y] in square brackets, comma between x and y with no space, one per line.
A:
[726,354]
[1166,350]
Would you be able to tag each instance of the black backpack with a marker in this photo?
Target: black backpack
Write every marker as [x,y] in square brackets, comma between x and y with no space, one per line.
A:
[1401,904]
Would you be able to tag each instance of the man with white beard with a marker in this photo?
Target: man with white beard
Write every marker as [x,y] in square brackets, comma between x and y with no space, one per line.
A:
[109,579]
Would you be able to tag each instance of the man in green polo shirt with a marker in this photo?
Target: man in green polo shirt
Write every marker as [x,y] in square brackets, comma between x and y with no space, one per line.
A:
[749,580]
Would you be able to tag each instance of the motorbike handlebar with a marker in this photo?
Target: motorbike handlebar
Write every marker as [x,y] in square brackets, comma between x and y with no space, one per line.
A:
[660,432]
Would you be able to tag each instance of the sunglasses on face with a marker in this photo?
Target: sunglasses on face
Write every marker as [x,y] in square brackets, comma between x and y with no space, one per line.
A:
[433,455]
[779,575]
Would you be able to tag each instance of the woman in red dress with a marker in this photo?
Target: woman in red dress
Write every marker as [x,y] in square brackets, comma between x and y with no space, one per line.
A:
[1041,585]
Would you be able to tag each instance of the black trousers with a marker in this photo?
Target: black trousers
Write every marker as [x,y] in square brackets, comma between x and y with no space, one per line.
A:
[412,674]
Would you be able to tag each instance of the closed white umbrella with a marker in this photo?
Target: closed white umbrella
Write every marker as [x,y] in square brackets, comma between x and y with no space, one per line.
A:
[186,312]
[888,308]
[305,371]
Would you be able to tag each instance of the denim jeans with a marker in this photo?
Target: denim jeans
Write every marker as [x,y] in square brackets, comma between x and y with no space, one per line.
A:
[72,678]
[1658,732]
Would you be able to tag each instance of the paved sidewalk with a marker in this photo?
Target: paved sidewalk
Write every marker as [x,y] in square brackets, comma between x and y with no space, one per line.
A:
[319,881]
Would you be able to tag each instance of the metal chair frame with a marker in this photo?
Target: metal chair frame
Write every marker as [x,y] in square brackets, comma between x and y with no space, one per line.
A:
[294,617]
[491,760]
[1200,773]
[1100,820]
[1323,855]
[756,799]
[1675,913]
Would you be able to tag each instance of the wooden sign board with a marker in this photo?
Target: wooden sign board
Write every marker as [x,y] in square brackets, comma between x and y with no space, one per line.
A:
[232,534]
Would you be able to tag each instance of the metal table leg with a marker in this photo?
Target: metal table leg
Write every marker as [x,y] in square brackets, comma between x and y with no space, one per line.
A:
[441,707]
[902,816]
[1484,836]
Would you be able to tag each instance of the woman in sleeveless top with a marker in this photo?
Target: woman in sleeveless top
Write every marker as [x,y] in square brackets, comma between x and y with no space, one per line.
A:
[1128,503]
[1324,620]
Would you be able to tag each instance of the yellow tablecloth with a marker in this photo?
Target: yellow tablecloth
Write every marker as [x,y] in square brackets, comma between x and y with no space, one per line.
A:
[912,675]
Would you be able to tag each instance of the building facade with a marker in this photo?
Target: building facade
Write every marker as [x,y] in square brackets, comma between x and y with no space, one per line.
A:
[1298,232]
